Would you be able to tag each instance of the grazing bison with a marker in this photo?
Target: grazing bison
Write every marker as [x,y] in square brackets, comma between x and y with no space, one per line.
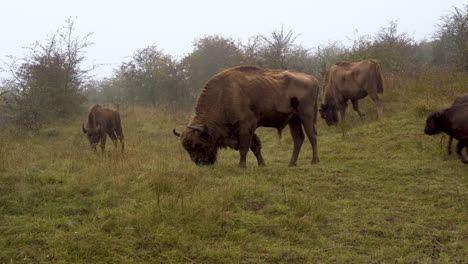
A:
[452,121]
[235,102]
[102,121]
[459,100]
[350,81]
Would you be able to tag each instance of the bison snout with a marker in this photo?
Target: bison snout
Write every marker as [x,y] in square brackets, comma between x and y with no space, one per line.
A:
[93,146]
[430,132]
[204,161]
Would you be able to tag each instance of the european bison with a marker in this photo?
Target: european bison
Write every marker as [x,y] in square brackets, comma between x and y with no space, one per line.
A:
[350,81]
[235,102]
[459,100]
[102,121]
[454,122]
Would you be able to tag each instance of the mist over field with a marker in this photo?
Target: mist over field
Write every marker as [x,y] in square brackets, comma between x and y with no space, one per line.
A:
[383,191]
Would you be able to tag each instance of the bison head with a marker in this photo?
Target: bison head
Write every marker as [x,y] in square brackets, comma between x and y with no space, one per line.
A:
[93,134]
[329,113]
[432,124]
[199,143]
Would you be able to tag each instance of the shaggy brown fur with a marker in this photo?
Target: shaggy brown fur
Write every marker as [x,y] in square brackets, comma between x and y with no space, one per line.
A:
[238,100]
[102,121]
[459,100]
[350,81]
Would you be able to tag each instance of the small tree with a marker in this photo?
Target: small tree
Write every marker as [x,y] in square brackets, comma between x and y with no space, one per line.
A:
[251,51]
[48,82]
[451,39]
[155,74]
[394,49]
[325,56]
[211,55]
[278,48]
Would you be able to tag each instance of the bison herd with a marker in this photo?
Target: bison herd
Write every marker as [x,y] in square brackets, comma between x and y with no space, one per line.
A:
[235,102]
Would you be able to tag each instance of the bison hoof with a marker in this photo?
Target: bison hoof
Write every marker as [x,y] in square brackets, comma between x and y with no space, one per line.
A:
[292,164]
[242,165]
[314,161]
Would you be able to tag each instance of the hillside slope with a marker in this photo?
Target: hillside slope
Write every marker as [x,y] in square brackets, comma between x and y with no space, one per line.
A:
[383,193]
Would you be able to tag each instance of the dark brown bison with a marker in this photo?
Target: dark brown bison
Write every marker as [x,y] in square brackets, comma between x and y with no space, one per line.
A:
[235,102]
[452,121]
[102,121]
[350,81]
[459,100]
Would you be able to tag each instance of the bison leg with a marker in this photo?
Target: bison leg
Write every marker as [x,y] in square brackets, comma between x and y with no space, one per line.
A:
[342,108]
[460,147]
[449,145]
[122,143]
[245,141]
[103,143]
[309,127]
[120,136]
[378,103]
[356,108]
[343,111]
[295,127]
[114,139]
[256,149]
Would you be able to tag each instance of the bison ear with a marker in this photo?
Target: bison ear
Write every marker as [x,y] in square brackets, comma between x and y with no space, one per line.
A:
[84,129]
[434,116]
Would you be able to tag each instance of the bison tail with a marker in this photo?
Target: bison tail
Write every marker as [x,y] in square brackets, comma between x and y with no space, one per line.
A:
[280,130]
[379,78]
[118,125]
[325,86]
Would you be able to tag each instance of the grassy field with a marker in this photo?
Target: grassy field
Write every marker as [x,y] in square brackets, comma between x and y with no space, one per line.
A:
[383,193]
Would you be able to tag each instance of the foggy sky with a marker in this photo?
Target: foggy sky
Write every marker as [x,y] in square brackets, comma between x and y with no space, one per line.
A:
[121,27]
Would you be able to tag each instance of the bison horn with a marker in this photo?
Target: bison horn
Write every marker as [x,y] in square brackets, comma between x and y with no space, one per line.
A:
[203,129]
[199,129]
[98,128]
[175,132]
[84,129]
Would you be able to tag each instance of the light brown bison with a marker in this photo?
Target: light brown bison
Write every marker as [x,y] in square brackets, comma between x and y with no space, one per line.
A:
[454,122]
[350,81]
[102,121]
[235,102]
[459,100]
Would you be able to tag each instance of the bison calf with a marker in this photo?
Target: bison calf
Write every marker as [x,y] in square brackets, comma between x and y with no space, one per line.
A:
[102,121]
[454,122]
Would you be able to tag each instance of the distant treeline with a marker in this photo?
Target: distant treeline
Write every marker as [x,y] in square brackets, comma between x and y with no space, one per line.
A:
[50,82]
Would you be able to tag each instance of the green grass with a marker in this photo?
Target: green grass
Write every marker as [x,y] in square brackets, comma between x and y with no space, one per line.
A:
[384,193]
